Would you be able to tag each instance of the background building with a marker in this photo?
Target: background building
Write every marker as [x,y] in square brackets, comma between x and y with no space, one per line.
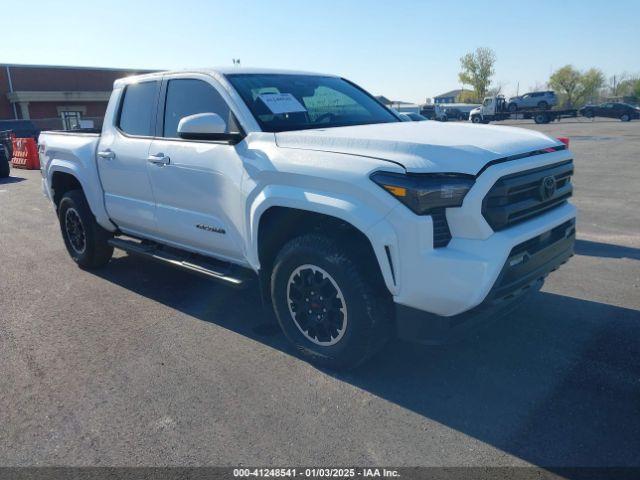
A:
[57,97]
[454,96]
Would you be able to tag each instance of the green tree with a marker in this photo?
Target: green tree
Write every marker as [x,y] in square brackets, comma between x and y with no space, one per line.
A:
[477,70]
[591,82]
[566,80]
[467,96]
[574,86]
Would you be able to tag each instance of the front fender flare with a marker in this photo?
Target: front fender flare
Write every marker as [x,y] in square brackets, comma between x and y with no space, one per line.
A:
[367,220]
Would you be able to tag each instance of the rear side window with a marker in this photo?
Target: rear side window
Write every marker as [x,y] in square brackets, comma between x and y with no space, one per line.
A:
[188,97]
[138,105]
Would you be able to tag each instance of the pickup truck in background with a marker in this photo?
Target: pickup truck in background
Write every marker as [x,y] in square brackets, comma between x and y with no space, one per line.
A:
[355,226]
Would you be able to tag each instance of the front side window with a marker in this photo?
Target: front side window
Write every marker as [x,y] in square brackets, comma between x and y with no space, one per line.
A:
[282,102]
[188,97]
[138,105]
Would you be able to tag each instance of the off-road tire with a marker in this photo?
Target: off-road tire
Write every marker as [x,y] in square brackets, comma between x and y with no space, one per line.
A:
[369,307]
[96,252]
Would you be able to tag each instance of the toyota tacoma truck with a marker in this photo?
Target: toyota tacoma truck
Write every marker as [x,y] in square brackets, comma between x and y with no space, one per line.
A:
[355,226]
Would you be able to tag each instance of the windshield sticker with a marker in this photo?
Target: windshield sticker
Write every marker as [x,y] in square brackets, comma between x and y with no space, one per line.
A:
[280,103]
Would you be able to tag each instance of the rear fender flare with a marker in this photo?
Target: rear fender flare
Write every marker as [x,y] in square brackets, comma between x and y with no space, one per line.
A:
[90,187]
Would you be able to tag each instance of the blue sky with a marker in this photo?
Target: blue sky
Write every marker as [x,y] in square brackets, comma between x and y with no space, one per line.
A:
[404,49]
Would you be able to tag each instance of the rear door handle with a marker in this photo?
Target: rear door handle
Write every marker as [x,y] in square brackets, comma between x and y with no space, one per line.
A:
[107,154]
[159,159]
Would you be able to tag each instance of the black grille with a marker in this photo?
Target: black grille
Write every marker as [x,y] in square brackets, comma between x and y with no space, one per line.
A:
[441,232]
[523,195]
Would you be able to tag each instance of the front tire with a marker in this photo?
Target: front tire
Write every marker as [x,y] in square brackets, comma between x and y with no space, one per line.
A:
[625,118]
[513,108]
[328,307]
[86,241]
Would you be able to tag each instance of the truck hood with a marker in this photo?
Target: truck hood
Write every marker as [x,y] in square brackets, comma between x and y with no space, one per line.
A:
[422,146]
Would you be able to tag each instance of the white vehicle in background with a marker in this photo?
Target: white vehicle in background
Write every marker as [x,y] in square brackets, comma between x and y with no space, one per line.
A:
[355,226]
[532,100]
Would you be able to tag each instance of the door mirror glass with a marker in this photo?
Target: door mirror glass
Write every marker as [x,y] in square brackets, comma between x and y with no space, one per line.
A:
[203,126]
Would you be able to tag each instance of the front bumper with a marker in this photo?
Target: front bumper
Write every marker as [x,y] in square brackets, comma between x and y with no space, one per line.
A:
[523,272]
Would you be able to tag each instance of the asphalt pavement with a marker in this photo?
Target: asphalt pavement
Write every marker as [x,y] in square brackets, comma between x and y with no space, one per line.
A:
[140,364]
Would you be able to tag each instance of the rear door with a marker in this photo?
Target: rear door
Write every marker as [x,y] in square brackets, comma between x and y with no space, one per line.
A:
[607,110]
[122,159]
[199,205]
[618,110]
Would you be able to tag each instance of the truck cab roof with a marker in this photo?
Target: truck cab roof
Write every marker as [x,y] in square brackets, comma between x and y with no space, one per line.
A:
[216,72]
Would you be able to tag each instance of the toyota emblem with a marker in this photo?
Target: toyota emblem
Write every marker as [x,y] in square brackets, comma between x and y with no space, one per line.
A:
[547,188]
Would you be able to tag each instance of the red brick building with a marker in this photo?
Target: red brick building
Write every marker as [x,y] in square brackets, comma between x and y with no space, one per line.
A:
[57,97]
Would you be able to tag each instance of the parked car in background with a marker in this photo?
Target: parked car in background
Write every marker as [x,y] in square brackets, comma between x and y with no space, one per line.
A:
[415,117]
[428,111]
[453,113]
[542,100]
[623,111]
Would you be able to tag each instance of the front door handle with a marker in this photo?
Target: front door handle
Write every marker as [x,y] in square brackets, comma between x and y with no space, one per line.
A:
[107,154]
[159,159]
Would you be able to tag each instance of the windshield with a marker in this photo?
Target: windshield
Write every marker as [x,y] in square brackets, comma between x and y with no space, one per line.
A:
[282,102]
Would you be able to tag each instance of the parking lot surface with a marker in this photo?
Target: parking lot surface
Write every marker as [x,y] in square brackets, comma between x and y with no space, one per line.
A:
[140,364]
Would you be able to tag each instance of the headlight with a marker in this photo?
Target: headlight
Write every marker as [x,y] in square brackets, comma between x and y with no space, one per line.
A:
[423,193]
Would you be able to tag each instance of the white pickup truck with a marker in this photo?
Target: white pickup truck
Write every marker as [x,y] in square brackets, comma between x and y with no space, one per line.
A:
[355,226]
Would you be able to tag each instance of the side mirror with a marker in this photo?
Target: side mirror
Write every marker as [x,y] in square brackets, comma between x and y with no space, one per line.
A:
[205,126]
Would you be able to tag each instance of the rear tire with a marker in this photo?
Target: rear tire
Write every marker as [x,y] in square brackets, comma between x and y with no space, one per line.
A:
[86,241]
[543,105]
[328,307]
[4,164]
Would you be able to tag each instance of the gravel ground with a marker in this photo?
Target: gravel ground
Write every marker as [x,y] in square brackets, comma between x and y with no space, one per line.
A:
[139,364]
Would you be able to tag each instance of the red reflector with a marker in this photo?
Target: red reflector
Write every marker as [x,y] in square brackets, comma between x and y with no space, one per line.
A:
[564,140]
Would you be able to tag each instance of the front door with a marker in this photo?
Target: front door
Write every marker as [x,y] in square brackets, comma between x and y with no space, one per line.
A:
[122,160]
[196,184]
